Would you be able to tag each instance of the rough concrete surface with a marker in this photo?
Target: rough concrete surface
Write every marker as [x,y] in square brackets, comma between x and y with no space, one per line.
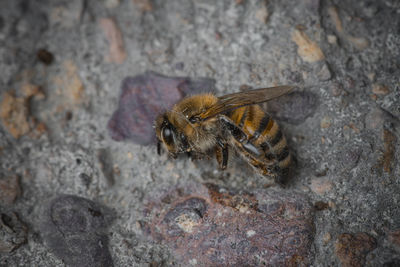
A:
[62,65]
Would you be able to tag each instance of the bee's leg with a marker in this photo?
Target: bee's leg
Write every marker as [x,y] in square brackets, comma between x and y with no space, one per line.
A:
[263,168]
[194,155]
[233,129]
[158,147]
[248,149]
[221,152]
[190,155]
[240,136]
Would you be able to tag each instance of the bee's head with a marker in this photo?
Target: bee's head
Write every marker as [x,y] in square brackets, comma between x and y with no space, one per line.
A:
[168,135]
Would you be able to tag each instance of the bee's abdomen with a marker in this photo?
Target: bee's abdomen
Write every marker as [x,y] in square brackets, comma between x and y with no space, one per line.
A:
[273,143]
[265,134]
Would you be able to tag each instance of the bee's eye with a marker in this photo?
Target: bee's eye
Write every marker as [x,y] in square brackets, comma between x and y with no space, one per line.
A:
[194,119]
[167,135]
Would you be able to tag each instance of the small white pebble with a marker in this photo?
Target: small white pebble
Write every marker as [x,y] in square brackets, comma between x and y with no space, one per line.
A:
[332,39]
[250,233]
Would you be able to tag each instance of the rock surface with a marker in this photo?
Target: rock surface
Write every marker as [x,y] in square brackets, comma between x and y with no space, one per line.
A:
[209,225]
[342,123]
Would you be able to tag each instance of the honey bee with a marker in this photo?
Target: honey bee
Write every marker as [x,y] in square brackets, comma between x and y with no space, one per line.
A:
[204,123]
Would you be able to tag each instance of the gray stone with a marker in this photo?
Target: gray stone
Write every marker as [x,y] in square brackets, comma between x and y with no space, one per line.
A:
[324,74]
[75,229]
[13,232]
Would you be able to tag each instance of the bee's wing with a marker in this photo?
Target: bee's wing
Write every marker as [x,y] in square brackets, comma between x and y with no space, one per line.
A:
[251,97]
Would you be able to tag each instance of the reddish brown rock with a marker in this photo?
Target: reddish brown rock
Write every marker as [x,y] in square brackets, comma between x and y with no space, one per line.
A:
[326,238]
[39,130]
[320,205]
[358,42]
[69,84]
[14,115]
[116,53]
[321,186]
[45,56]
[389,140]
[262,13]
[334,16]
[326,122]
[143,5]
[212,226]
[352,249]
[308,50]
[9,189]
[394,237]
[15,111]
[380,89]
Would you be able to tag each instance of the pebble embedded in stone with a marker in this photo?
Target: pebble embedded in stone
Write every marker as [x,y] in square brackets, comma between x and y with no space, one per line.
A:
[262,13]
[45,56]
[375,119]
[144,5]
[352,249]
[320,205]
[389,140]
[326,238]
[394,238]
[15,113]
[70,84]
[116,50]
[326,122]
[9,189]
[111,3]
[380,89]
[308,50]
[106,165]
[332,39]
[67,14]
[324,74]
[75,230]
[320,186]
[13,233]
[349,158]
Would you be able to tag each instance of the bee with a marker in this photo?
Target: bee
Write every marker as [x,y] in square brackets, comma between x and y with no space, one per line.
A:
[204,123]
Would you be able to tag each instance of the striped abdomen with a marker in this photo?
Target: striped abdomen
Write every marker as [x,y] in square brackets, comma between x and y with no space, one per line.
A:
[272,157]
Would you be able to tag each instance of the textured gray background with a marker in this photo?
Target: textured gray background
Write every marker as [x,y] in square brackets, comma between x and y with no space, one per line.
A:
[339,147]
